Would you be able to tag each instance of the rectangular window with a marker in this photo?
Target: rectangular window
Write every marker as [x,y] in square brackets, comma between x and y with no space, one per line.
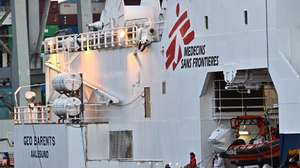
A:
[163,89]
[132,2]
[120,145]
[246,16]
[206,22]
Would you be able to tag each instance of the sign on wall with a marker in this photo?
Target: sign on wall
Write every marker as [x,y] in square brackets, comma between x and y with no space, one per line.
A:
[182,52]
[37,145]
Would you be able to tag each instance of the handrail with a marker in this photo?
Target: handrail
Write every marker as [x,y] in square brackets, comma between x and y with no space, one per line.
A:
[36,114]
[43,114]
[120,37]
[110,38]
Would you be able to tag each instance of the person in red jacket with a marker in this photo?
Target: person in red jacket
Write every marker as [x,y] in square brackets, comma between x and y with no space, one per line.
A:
[193,161]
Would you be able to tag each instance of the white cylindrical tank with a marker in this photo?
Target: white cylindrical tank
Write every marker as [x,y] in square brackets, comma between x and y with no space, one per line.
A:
[66,106]
[66,82]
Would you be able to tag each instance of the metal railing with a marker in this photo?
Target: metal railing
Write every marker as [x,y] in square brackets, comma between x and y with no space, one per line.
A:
[93,113]
[108,163]
[120,37]
[112,38]
[36,114]
[224,111]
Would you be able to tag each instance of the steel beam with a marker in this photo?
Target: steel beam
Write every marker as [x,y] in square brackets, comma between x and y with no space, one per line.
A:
[85,15]
[42,27]
[20,59]
[1,42]
[34,27]
[5,47]
[33,24]
[4,17]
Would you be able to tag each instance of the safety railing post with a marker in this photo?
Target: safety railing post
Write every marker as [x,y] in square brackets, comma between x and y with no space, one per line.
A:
[98,39]
[94,40]
[49,117]
[81,42]
[75,47]
[46,46]
[42,115]
[87,41]
[112,38]
[134,29]
[105,40]
[119,39]
[56,45]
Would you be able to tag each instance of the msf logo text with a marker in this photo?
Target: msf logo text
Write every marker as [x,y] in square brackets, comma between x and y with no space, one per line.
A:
[180,31]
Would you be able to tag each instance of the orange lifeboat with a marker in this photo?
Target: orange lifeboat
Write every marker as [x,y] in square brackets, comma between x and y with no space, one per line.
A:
[241,154]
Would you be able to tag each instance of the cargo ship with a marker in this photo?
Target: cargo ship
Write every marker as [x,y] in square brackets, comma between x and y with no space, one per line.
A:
[153,80]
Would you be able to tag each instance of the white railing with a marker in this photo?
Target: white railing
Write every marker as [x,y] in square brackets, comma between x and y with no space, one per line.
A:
[93,113]
[126,163]
[112,38]
[36,114]
[225,112]
[120,37]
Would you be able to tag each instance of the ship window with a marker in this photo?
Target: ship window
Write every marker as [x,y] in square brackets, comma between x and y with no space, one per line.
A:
[246,16]
[206,22]
[132,2]
[120,145]
[163,85]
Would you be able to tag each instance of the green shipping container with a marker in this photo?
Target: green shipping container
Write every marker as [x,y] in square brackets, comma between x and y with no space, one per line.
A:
[50,30]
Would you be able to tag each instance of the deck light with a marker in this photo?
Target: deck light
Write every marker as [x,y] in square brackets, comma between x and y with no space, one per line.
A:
[243,132]
[50,46]
[121,34]
[50,43]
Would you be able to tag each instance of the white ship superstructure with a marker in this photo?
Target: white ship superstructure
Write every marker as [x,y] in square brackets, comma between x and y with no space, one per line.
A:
[158,78]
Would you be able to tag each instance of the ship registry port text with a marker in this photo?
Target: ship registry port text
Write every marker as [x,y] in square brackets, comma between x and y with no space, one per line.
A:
[39,141]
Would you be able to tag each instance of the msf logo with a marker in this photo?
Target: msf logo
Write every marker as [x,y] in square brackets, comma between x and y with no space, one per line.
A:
[183,24]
